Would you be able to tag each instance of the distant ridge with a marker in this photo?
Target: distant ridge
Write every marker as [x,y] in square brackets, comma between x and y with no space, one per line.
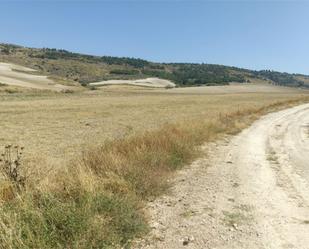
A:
[84,69]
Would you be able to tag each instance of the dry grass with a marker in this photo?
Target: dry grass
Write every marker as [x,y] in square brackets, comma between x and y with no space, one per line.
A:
[126,144]
[54,127]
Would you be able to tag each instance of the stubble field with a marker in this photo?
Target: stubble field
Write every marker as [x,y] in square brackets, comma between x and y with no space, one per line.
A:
[53,127]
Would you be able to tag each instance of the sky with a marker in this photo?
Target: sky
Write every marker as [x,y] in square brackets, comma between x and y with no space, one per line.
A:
[249,34]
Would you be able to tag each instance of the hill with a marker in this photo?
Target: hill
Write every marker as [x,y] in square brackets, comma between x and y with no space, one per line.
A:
[69,67]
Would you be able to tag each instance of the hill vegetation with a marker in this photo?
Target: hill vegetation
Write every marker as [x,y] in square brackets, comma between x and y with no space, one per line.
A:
[85,69]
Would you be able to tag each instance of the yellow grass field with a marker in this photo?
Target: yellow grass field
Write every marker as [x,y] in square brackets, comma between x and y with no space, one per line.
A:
[94,157]
[55,127]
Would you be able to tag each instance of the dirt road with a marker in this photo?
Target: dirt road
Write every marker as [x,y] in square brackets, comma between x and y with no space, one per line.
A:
[250,191]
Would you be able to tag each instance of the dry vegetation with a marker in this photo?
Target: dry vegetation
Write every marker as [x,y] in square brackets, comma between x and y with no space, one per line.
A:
[92,158]
[305,79]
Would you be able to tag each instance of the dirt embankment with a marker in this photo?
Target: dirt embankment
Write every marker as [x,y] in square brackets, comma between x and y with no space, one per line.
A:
[251,191]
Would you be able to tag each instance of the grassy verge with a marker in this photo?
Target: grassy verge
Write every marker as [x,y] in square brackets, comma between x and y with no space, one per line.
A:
[97,200]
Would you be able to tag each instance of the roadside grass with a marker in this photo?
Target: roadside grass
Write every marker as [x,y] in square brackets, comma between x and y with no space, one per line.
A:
[96,201]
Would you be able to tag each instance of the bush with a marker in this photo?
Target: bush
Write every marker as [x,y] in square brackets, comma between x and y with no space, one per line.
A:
[93,88]
[68,91]
[11,91]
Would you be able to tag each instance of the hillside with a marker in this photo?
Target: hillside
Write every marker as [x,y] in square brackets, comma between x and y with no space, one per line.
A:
[65,66]
[19,76]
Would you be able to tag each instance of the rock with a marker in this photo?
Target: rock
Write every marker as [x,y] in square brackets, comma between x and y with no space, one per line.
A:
[187,240]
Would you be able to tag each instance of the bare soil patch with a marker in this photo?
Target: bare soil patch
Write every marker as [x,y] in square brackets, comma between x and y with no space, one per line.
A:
[16,75]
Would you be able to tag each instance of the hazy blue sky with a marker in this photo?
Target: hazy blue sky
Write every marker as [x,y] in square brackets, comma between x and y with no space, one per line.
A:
[250,34]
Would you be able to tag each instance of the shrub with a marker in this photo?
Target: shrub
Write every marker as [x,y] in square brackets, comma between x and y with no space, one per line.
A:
[68,91]
[81,220]
[93,88]
[11,91]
